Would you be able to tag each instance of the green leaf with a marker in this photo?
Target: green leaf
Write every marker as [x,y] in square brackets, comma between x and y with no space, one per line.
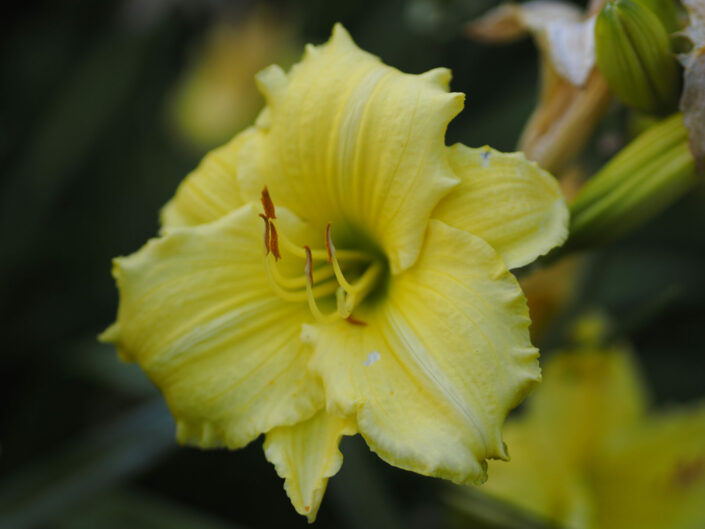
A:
[87,466]
[136,509]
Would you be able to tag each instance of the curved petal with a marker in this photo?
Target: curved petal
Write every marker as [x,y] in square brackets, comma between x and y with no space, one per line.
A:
[356,142]
[197,313]
[507,200]
[440,362]
[306,455]
[211,190]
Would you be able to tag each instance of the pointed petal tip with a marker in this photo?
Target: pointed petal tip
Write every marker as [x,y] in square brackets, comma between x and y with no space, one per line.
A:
[110,335]
[264,119]
[340,34]
[113,336]
[116,267]
[271,82]
[168,216]
[503,452]
[310,51]
[456,103]
[202,435]
[439,76]
[306,455]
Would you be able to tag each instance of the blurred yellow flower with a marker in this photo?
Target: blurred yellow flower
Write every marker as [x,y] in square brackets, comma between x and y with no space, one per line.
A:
[586,454]
[215,96]
[379,301]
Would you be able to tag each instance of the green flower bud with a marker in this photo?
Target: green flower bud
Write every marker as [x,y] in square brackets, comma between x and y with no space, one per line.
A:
[643,179]
[634,55]
[666,11]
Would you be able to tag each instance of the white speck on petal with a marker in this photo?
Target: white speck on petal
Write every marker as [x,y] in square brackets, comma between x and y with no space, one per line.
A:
[485,158]
[373,357]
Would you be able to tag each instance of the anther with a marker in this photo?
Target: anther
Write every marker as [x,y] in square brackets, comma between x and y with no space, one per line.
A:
[266,234]
[329,244]
[274,241]
[267,204]
[354,321]
[308,268]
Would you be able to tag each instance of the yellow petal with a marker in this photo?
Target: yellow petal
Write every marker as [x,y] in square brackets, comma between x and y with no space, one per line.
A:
[306,455]
[440,362]
[653,476]
[356,142]
[510,202]
[197,313]
[211,190]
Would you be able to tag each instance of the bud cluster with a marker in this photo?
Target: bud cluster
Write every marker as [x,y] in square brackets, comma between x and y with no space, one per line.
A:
[634,54]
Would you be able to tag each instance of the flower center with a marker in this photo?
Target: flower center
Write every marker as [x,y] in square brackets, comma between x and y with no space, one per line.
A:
[348,276]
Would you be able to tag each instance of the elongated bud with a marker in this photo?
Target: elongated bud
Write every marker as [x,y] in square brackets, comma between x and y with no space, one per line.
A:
[644,178]
[634,55]
[665,10]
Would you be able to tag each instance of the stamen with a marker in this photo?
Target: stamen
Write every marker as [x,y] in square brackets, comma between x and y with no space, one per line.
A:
[353,320]
[340,277]
[308,268]
[323,318]
[329,243]
[364,285]
[330,249]
[266,234]
[319,274]
[274,241]
[267,204]
[325,289]
[341,302]
[320,255]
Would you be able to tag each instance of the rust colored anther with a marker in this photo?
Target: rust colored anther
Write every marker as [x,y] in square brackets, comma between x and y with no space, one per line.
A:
[267,204]
[354,321]
[329,244]
[309,264]
[274,241]
[266,233]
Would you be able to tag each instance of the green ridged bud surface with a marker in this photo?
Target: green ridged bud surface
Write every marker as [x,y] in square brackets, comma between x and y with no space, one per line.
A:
[643,179]
[634,55]
[665,10]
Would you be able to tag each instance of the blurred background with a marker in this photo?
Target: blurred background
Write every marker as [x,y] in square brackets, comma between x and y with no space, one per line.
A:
[105,107]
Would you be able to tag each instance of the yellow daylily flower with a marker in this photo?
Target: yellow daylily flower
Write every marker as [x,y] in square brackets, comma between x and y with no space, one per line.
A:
[379,300]
[587,455]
